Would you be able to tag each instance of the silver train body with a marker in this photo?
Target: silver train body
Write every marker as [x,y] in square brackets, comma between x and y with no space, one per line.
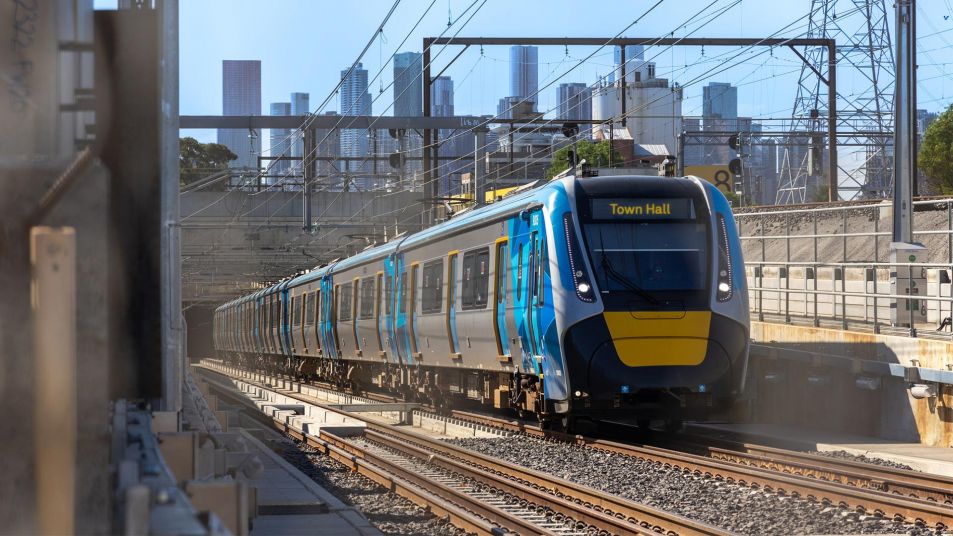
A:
[584,297]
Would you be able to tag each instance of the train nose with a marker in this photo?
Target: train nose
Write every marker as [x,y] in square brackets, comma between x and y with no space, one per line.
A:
[659,338]
[621,352]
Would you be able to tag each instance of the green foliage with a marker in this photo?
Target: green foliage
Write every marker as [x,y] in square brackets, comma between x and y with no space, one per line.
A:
[198,160]
[936,153]
[596,154]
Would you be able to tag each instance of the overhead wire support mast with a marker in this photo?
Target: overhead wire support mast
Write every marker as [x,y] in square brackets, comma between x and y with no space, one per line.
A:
[830,81]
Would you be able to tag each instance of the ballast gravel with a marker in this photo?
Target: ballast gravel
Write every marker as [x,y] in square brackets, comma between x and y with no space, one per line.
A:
[730,506]
[844,455]
[389,512]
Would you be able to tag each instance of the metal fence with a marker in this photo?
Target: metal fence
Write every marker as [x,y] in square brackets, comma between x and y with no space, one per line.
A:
[831,264]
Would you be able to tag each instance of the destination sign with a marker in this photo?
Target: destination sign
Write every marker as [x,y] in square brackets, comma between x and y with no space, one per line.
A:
[642,209]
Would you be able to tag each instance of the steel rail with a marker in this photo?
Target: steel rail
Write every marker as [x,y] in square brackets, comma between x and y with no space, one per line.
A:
[608,512]
[467,514]
[623,514]
[567,505]
[931,487]
[919,509]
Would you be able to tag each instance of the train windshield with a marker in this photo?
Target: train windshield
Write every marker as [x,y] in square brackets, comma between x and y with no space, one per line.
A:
[648,252]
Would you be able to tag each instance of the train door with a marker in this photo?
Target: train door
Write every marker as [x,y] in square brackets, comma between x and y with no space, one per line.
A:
[412,311]
[328,319]
[527,243]
[400,310]
[355,316]
[283,322]
[378,314]
[452,261]
[499,300]
[390,308]
[317,322]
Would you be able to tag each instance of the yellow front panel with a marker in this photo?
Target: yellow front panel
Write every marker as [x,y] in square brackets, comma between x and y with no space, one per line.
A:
[663,338]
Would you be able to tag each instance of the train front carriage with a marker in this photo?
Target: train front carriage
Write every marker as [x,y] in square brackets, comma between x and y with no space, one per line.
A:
[662,266]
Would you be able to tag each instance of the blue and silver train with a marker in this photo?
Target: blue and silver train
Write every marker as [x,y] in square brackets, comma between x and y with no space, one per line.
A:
[592,297]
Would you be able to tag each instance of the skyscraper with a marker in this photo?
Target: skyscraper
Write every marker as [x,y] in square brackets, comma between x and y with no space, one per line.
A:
[720,101]
[441,97]
[299,106]
[574,102]
[719,114]
[441,105]
[408,85]
[280,145]
[524,73]
[355,100]
[241,95]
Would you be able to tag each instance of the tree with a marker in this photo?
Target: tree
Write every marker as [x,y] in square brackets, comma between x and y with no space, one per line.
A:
[198,160]
[596,154]
[936,153]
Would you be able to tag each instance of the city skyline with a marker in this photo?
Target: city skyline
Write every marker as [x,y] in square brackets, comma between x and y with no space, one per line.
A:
[766,83]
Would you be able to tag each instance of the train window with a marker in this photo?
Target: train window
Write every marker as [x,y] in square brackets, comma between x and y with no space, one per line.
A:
[344,305]
[388,286]
[367,298]
[309,308]
[295,311]
[404,293]
[476,278]
[432,295]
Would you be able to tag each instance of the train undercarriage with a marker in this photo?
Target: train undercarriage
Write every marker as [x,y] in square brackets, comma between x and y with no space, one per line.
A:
[443,390]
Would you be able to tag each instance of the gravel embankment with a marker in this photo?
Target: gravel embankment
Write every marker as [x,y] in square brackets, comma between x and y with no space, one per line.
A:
[733,507]
[844,455]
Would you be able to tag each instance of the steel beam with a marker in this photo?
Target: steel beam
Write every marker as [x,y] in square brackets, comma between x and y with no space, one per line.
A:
[328,122]
[623,41]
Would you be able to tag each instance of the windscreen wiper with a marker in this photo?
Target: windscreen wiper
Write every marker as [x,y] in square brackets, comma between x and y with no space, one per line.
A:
[608,269]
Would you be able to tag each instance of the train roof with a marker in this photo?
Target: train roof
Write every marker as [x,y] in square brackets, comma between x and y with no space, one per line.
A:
[507,205]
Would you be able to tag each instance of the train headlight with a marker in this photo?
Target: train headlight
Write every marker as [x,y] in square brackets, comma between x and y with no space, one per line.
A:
[724,261]
[576,264]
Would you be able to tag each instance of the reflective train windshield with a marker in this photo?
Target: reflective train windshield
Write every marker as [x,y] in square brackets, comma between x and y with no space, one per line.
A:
[649,250]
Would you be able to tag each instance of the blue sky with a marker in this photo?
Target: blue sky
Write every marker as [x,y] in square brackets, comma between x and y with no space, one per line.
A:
[304,44]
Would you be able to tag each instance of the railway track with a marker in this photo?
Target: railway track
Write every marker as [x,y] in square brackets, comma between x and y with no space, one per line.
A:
[894,493]
[476,492]
[933,488]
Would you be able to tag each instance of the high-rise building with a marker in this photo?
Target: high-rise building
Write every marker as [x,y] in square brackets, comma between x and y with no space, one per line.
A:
[441,97]
[451,144]
[634,58]
[355,100]
[300,105]
[575,102]
[524,73]
[720,101]
[719,114]
[280,145]
[408,85]
[241,95]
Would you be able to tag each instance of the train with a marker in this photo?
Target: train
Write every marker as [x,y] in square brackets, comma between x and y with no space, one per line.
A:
[582,298]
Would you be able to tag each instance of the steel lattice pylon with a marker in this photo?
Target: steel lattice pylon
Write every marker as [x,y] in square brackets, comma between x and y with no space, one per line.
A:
[864,111]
